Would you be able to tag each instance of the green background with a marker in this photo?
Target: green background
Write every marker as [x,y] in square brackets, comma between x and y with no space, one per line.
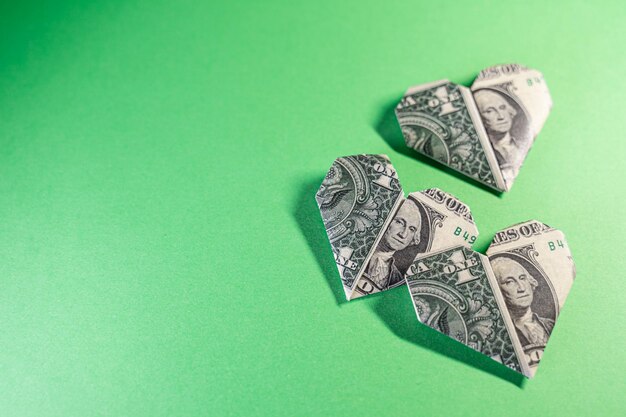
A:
[162,252]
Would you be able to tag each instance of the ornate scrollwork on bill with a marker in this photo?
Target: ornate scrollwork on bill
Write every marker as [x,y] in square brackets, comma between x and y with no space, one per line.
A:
[357,200]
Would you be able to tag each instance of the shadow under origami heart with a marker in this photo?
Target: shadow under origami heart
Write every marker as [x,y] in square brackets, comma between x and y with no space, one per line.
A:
[386,125]
[396,311]
[307,215]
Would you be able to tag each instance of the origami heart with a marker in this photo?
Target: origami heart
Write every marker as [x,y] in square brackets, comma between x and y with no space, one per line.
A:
[484,132]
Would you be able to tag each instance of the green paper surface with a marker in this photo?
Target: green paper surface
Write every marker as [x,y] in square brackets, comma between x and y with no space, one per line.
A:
[162,251]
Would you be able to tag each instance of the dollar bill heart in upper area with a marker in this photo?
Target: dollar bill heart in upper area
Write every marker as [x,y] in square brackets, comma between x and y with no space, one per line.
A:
[484,133]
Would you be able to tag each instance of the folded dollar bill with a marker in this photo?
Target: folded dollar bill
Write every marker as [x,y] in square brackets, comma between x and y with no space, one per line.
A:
[484,131]
[503,304]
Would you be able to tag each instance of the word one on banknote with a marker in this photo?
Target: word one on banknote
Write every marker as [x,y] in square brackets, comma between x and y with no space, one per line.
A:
[484,131]
[503,304]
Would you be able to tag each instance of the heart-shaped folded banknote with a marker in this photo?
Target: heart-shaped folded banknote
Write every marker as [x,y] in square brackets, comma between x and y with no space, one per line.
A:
[484,131]
[503,304]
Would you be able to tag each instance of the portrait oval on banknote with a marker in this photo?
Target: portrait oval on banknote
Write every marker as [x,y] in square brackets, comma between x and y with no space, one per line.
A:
[396,249]
[530,300]
[405,257]
[503,117]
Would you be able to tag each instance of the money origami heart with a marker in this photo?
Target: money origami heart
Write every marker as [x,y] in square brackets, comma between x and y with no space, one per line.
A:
[503,304]
[484,131]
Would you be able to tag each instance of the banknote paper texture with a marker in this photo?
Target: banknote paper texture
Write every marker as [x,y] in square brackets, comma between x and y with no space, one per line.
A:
[375,233]
[454,292]
[357,199]
[534,268]
[514,103]
[441,120]
[503,305]
[484,133]
[426,221]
